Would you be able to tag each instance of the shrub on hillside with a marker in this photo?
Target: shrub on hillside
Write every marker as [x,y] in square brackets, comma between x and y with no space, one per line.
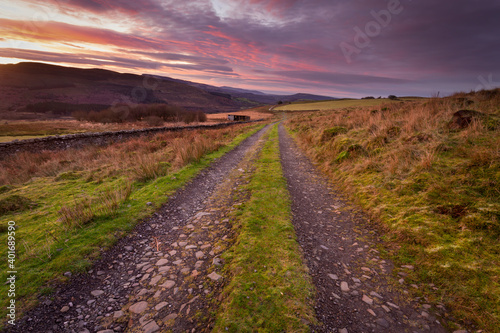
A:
[63,109]
[154,121]
[329,133]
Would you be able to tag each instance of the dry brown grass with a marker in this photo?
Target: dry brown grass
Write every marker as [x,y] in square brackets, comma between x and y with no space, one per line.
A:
[21,128]
[85,210]
[188,150]
[140,158]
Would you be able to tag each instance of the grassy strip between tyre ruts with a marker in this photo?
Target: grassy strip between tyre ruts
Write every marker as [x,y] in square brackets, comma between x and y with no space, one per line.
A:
[45,249]
[270,289]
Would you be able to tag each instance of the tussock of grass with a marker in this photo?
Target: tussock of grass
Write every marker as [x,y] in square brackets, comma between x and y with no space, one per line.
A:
[14,203]
[87,209]
[434,187]
[95,195]
[188,150]
[270,290]
[5,188]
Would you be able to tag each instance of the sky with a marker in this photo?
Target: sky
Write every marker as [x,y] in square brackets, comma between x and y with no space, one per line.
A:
[339,48]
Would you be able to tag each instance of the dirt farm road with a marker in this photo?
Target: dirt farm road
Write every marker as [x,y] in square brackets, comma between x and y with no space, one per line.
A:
[162,276]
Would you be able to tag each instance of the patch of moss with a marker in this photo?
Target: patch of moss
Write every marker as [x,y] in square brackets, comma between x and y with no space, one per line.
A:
[330,133]
[5,188]
[342,156]
[67,176]
[15,203]
[420,182]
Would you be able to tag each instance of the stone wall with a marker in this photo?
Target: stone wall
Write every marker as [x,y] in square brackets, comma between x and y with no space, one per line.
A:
[98,139]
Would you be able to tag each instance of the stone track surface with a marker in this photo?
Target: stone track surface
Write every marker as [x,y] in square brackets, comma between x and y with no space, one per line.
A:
[355,291]
[163,276]
[166,276]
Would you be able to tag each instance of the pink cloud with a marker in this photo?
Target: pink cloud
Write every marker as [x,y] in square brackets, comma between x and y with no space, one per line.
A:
[62,32]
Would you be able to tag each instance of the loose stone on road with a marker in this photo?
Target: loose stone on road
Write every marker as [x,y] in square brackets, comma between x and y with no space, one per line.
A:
[354,288]
[166,275]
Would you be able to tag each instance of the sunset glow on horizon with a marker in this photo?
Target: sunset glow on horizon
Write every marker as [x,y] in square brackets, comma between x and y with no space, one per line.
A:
[336,48]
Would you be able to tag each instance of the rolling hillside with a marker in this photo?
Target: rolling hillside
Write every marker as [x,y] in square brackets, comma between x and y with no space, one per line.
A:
[257,97]
[28,88]
[33,83]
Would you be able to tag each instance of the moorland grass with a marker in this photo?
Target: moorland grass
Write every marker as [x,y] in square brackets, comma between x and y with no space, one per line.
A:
[24,129]
[269,288]
[50,240]
[334,104]
[433,187]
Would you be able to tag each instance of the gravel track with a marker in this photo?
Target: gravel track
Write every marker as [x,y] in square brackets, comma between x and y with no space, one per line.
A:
[166,273]
[355,288]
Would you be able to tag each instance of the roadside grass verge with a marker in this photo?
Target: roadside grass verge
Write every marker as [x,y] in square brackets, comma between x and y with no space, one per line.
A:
[433,188]
[64,221]
[269,290]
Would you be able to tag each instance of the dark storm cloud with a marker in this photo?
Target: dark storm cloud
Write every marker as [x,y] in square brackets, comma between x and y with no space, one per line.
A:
[443,36]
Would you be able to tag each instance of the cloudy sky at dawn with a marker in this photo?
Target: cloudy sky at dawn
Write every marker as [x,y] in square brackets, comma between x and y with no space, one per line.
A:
[341,48]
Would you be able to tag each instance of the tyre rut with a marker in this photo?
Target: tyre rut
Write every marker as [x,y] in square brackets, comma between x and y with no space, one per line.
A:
[164,275]
[355,288]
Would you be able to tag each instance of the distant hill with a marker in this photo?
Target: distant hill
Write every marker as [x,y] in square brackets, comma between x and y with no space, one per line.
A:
[238,90]
[26,84]
[254,95]
[31,88]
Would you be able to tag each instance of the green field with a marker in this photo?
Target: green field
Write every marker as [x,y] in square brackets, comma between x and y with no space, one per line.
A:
[22,137]
[334,104]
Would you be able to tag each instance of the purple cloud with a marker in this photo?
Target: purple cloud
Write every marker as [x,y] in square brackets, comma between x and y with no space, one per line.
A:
[401,47]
